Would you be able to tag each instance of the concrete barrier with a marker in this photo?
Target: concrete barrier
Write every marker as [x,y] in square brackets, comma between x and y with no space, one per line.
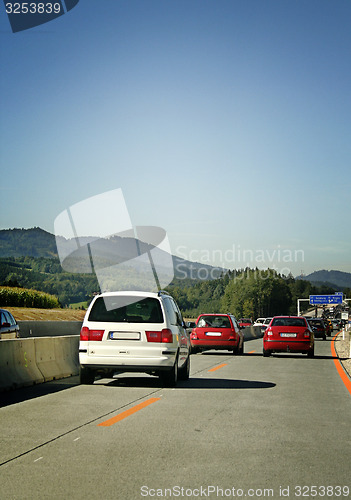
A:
[48,328]
[26,362]
[8,375]
[45,358]
[66,355]
[252,332]
[27,371]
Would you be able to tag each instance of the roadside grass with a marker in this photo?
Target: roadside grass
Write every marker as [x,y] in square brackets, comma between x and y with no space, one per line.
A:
[79,305]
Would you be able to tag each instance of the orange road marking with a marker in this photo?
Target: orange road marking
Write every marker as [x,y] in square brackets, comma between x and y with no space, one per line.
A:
[127,413]
[217,367]
[250,352]
[339,367]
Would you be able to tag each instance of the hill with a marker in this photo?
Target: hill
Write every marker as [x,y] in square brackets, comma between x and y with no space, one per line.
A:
[37,243]
[29,258]
[336,279]
[34,242]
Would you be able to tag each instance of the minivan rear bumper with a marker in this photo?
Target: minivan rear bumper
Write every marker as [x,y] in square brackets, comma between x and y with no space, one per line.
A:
[129,363]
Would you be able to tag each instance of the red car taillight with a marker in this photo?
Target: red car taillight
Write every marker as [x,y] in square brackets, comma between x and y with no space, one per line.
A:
[193,335]
[269,331]
[164,336]
[232,334]
[87,334]
[307,333]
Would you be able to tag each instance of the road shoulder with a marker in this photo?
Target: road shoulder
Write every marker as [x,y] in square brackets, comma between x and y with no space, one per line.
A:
[342,348]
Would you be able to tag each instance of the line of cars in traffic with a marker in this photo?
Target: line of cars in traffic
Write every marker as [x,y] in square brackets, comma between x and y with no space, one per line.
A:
[280,333]
[135,331]
[294,333]
[321,327]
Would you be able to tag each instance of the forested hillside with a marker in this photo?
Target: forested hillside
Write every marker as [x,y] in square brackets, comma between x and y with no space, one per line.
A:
[247,293]
[34,242]
[336,278]
[28,259]
[46,275]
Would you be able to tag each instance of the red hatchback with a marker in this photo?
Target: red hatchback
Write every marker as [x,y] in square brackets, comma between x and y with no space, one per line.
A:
[288,334]
[217,331]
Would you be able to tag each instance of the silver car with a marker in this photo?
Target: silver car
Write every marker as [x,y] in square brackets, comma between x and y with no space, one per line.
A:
[134,332]
[9,328]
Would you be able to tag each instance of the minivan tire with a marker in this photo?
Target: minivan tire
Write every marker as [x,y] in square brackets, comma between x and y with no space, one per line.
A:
[86,376]
[170,377]
[184,372]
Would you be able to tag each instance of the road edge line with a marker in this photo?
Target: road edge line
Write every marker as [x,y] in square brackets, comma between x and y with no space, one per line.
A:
[340,369]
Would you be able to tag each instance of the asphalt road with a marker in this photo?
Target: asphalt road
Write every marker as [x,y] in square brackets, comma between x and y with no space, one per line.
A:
[253,427]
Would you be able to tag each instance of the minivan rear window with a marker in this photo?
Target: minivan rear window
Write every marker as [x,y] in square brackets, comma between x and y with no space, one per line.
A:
[289,322]
[116,309]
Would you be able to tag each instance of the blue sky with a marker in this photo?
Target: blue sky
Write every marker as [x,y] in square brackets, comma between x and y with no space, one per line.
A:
[225,122]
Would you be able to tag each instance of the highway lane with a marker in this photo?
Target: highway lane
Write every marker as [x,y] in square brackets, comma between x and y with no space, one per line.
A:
[258,425]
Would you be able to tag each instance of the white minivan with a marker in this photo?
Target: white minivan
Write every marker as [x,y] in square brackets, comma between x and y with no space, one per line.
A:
[134,332]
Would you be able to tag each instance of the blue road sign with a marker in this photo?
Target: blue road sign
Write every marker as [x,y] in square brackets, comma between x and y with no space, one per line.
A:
[325,299]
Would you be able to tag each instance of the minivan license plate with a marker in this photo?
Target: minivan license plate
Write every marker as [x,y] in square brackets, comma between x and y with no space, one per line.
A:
[125,335]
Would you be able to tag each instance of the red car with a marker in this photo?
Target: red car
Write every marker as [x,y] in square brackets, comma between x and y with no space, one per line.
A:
[288,334]
[244,322]
[217,331]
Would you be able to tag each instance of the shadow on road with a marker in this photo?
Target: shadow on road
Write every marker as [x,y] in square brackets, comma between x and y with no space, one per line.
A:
[223,383]
[192,383]
[36,391]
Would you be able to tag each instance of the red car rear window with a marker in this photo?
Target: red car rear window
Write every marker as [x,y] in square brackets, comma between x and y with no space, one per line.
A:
[214,322]
[289,322]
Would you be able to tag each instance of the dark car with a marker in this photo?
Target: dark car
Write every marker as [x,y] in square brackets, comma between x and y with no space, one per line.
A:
[9,328]
[319,328]
[288,334]
[189,325]
[217,331]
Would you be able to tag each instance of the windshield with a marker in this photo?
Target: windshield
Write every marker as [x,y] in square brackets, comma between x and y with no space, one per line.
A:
[117,309]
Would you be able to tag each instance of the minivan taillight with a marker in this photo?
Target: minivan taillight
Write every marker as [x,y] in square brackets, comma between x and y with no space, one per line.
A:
[164,336]
[87,334]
